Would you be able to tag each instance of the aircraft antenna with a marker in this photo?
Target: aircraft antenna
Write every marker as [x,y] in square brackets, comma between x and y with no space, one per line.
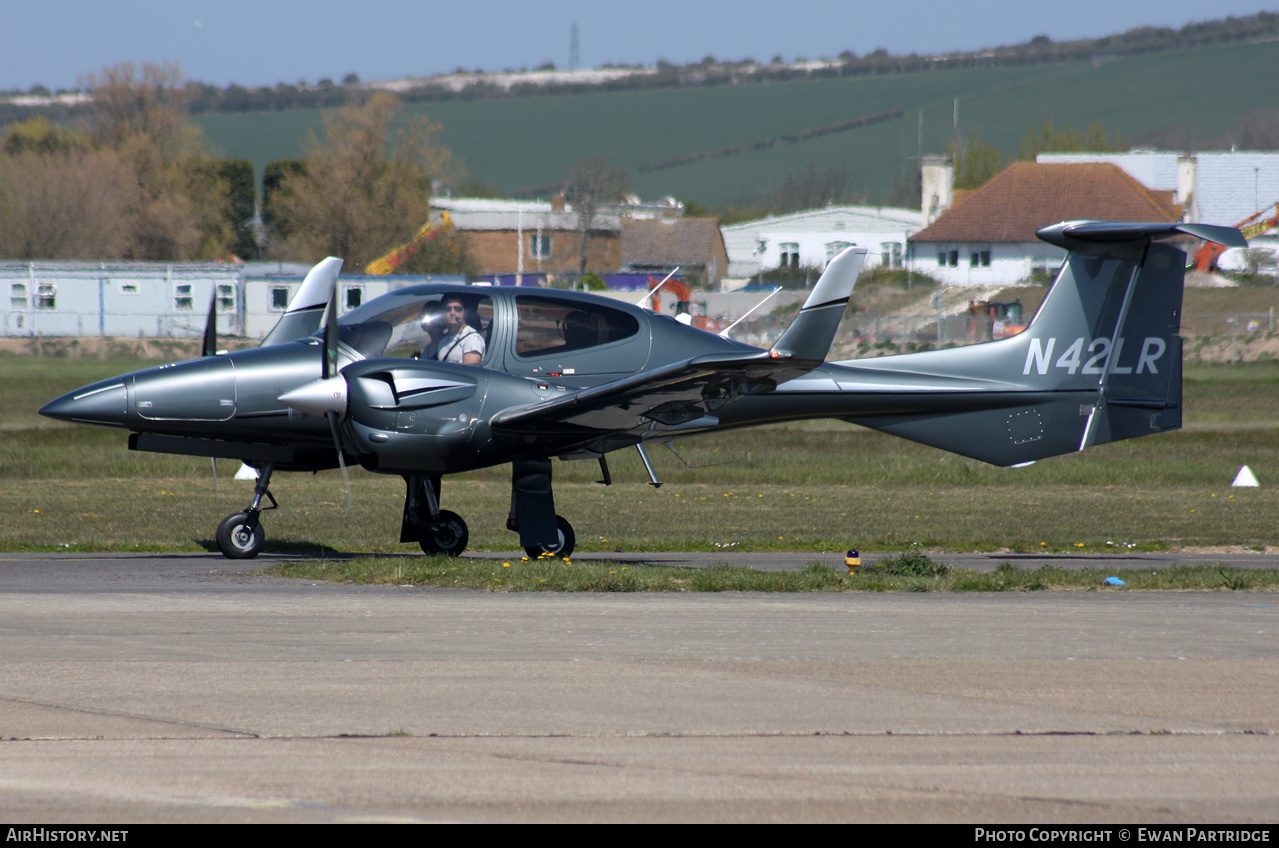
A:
[723,334]
[654,289]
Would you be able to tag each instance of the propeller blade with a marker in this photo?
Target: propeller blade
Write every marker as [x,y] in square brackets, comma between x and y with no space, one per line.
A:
[337,443]
[211,326]
[330,367]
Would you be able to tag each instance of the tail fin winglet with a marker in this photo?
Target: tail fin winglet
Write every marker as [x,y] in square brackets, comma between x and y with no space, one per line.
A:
[811,334]
[1089,236]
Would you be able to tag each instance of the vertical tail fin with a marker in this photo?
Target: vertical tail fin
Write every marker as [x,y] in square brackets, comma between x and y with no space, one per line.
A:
[1100,361]
[306,310]
[1114,326]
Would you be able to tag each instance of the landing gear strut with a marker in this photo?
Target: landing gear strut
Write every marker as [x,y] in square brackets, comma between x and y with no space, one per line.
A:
[437,531]
[533,511]
[241,536]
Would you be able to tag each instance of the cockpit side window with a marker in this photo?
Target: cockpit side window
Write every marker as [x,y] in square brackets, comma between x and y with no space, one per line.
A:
[421,326]
[548,326]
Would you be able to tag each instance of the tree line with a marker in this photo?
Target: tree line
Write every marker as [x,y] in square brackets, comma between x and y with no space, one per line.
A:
[131,179]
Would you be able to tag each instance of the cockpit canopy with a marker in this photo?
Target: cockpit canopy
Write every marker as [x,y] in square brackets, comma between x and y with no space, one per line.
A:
[402,323]
[409,321]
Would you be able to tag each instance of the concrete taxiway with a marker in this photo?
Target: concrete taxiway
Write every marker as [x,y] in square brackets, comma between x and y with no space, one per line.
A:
[160,688]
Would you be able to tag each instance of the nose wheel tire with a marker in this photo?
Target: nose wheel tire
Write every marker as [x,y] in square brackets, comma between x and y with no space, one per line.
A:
[236,540]
[563,546]
[446,535]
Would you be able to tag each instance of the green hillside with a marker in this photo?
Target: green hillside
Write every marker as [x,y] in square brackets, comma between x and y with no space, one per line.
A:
[520,144]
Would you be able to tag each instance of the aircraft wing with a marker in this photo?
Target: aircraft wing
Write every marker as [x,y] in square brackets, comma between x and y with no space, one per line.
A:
[680,396]
[684,396]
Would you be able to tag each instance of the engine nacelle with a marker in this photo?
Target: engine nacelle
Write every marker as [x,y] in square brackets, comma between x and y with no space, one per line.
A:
[405,415]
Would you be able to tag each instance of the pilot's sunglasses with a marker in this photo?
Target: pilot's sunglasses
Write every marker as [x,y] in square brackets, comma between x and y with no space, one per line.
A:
[455,309]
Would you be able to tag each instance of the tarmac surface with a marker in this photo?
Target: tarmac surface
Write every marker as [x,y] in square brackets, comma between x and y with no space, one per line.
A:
[162,688]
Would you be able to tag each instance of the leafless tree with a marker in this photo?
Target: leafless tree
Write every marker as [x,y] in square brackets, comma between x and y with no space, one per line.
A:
[73,205]
[130,104]
[136,185]
[179,209]
[591,183]
[354,200]
[813,189]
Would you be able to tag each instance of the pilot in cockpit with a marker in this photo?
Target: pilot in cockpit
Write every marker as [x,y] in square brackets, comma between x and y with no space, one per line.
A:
[452,338]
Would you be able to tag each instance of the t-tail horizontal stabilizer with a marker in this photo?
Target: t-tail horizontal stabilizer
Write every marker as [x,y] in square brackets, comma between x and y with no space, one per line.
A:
[1100,361]
[306,310]
[813,330]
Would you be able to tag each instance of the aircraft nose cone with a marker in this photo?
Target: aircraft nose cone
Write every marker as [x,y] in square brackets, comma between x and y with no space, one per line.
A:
[100,403]
[318,398]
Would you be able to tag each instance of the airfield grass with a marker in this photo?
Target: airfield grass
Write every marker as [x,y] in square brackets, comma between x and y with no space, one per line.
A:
[818,486]
[565,575]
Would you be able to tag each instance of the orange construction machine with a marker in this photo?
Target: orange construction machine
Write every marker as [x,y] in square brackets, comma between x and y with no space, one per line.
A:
[1207,254]
[683,304]
[1003,318]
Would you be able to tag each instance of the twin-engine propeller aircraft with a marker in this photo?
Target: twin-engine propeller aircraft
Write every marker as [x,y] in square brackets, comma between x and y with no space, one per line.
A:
[435,379]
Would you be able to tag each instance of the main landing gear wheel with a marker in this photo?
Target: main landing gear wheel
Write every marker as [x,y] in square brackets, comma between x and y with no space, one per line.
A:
[445,535]
[562,548]
[236,540]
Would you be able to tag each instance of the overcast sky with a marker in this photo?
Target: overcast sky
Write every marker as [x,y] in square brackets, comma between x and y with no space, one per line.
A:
[263,42]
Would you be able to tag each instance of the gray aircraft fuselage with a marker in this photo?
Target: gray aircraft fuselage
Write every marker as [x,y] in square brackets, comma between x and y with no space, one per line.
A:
[575,376]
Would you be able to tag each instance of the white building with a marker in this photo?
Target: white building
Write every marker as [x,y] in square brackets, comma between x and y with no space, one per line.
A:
[161,300]
[118,299]
[811,239]
[1212,187]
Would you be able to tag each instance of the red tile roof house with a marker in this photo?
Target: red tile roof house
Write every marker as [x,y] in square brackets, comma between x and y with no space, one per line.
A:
[987,237]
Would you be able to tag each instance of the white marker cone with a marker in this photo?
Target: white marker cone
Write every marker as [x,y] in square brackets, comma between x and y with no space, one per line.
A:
[1245,478]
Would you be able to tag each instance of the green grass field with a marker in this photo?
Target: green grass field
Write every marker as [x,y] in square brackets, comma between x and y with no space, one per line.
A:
[816,486]
[520,144]
[552,575]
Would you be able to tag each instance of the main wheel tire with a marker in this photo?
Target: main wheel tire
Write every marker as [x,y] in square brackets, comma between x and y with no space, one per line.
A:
[562,548]
[446,535]
[236,541]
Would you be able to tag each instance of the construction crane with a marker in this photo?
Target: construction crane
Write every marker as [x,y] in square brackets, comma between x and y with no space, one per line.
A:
[390,262]
[1207,254]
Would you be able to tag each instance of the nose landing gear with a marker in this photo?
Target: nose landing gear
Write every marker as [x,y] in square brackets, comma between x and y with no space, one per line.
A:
[241,536]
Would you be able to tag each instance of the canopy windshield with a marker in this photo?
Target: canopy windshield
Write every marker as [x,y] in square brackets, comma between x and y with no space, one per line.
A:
[399,324]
